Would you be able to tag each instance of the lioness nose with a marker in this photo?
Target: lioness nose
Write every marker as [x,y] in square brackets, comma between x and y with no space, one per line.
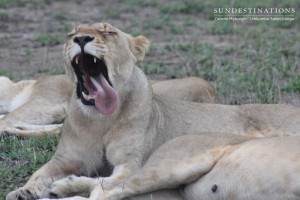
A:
[81,41]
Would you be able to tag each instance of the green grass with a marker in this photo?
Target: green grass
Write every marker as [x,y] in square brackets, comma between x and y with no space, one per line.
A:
[8,3]
[185,7]
[52,70]
[20,3]
[50,39]
[20,158]
[111,13]
[4,16]
[261,67]
[223,27]
[8,73]
[4,3]
[60,14]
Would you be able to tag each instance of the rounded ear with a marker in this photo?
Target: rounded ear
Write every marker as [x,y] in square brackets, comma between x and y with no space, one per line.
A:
[139,46]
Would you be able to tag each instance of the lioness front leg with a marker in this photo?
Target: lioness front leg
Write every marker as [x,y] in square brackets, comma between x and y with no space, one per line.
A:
[39,184]
[126,161]
[83,186]
[72,185]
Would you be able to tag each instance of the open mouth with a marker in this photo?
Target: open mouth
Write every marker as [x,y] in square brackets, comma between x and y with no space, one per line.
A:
[94,87]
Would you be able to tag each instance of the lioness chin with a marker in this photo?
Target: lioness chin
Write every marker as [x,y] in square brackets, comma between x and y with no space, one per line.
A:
[115,118]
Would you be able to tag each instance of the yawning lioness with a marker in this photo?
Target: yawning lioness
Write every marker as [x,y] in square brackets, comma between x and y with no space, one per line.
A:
[114,117]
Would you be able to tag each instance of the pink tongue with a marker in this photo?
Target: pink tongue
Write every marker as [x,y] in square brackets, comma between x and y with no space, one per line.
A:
[106,98]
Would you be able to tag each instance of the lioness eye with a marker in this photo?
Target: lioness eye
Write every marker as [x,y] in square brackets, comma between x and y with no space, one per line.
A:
[101,32]
[70,34]
[109,33]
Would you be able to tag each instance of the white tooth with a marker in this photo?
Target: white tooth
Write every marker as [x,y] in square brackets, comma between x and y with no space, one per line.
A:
[76,60]
[86,97]
[95,60]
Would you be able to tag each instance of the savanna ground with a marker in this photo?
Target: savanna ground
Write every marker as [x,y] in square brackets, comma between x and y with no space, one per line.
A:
[247,62]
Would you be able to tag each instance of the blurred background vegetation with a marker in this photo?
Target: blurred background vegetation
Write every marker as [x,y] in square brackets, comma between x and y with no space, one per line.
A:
[247,62]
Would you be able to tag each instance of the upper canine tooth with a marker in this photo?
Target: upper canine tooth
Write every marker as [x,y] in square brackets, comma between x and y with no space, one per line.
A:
[86,97]
[76,60]
[95,60]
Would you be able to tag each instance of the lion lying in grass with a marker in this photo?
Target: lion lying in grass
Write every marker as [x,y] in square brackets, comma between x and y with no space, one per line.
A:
[115,118]
[34,108]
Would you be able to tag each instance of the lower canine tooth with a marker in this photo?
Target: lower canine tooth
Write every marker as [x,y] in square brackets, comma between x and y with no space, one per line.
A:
[95,60]
[76,60]
[86,97]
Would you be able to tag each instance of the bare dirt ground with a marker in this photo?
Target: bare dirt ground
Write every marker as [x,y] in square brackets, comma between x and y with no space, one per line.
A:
[32,36]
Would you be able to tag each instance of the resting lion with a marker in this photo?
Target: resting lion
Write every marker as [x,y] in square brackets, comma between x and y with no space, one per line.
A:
[34,108]
[114,118]
[206,167]
[38,108]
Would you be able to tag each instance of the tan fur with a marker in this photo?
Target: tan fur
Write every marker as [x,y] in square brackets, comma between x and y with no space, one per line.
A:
[191,89]
[9,91]
[47,99]
[35,108]
[141,122]
[212,166]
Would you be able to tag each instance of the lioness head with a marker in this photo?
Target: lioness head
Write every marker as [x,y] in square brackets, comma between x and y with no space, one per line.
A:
[101,58]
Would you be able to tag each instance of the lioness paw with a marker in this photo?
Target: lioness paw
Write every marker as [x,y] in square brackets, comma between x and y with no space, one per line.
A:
[63,187]
[71,185]
[10,132]
[5,132]
[22,194]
